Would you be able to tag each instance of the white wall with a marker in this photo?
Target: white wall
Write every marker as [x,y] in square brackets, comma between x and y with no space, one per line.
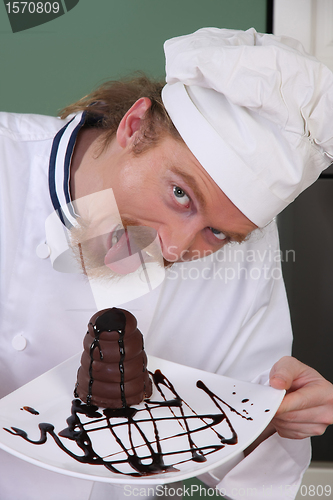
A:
[309,21]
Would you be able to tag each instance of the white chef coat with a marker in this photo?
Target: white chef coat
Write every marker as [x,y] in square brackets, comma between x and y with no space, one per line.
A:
[226,313]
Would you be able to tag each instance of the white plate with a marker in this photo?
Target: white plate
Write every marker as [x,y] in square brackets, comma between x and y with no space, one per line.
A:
[52,393]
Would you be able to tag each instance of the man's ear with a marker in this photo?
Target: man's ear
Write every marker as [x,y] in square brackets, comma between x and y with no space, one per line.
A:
[131,122]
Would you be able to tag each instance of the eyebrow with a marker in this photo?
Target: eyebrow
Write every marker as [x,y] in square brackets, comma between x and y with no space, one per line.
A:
[192,183]
[238,237]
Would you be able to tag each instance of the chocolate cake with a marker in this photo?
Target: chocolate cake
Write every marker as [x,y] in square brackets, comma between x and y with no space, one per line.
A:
[113,371]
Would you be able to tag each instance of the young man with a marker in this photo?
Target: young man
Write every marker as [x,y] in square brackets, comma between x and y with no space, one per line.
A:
[217,172]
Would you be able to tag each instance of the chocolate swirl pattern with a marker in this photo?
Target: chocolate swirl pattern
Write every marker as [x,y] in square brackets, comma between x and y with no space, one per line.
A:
[153,438]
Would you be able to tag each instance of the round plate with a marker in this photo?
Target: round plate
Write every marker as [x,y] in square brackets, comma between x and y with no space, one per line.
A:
[193,422]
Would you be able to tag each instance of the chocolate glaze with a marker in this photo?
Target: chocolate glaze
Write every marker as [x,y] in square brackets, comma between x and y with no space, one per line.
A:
[144,456]
[113,370]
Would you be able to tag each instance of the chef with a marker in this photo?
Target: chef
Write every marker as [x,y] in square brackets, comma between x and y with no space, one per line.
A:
[246,136]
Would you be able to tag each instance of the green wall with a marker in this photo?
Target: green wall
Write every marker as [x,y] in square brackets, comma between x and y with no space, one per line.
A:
[49,66]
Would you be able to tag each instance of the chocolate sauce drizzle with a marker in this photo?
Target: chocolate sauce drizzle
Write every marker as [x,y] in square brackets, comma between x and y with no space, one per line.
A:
[141,435]
[30,410]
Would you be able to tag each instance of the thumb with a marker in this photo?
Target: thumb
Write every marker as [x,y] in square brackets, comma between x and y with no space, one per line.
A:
[284,372]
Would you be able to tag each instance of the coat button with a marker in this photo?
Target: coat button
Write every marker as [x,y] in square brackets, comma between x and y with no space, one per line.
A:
[19,342]
[43,251]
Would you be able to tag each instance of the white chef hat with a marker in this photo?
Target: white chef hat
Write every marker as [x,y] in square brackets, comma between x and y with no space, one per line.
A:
[256,111]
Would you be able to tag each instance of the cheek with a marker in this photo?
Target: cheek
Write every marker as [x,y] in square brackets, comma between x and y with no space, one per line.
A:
[141,203]
[141,188]
[198,249]
[201,248]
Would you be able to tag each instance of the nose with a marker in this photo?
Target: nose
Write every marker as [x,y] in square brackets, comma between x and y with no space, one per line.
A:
[177,240]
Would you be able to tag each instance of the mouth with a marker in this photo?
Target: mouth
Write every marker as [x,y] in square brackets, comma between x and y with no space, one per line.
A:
[125,248]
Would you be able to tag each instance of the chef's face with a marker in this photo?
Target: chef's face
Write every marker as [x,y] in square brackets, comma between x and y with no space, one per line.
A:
[166,189]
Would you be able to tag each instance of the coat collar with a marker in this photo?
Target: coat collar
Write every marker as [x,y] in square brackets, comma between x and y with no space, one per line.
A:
[59,169]
[63,217]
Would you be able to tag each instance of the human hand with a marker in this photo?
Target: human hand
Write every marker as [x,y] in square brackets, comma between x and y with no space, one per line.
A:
[307,408]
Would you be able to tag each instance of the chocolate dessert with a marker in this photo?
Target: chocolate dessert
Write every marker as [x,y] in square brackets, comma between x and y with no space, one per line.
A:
[113,370]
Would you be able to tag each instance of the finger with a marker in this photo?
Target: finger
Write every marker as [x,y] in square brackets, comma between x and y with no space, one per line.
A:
[322,415]
[314,394]
[285,371]
[297,431]
[310,415]
[305,398]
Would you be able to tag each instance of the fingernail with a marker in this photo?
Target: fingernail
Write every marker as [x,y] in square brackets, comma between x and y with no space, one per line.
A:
[279,377]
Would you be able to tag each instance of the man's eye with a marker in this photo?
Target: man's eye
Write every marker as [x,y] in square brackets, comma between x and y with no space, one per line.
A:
[181,196]
[218,234]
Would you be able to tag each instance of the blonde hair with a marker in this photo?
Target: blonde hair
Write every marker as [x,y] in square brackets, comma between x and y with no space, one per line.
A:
[106,106]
